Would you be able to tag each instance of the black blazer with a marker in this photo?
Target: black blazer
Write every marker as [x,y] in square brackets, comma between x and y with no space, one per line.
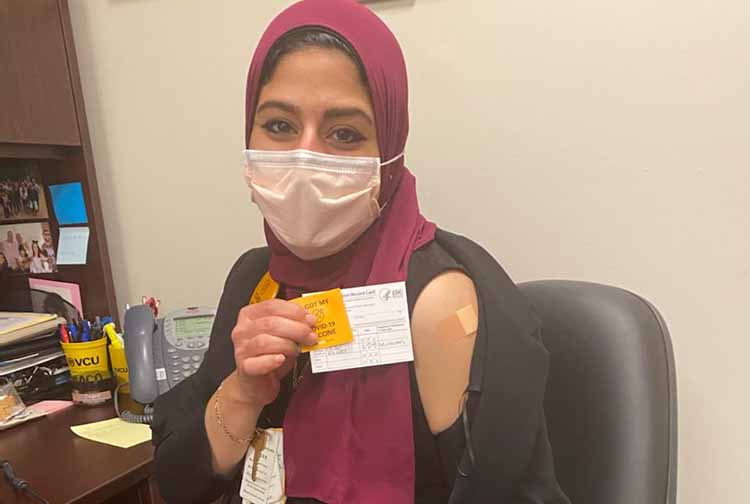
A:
[507,459]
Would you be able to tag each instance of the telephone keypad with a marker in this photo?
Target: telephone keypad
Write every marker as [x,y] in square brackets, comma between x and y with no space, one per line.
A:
[185,342]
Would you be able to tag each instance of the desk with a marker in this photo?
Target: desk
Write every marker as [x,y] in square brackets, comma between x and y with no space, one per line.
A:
[64,468]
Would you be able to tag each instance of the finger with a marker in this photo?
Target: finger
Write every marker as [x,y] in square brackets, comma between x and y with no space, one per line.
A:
[296,332]
[280,308]
[285,328]
[243,330]
[284,369]
[267,344]
[262,364]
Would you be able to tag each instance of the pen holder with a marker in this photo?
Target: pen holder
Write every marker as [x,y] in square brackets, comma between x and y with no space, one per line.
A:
[89,371]
[120,367]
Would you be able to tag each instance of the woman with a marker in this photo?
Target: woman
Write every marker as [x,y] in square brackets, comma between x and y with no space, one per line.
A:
[37,261]
[48,263]
[327,123]
[23,261]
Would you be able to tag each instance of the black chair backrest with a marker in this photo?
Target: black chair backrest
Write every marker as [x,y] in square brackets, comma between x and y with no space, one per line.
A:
[611,400]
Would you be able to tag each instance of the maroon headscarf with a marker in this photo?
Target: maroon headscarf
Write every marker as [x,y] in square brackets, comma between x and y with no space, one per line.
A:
[348,435]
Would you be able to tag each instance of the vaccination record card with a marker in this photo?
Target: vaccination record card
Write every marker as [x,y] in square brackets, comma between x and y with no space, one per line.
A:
[379,319]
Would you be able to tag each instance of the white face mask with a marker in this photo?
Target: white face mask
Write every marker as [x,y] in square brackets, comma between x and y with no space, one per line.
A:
[316,204]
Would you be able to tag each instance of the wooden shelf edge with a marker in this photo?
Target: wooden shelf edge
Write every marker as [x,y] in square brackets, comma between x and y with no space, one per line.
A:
[32,151]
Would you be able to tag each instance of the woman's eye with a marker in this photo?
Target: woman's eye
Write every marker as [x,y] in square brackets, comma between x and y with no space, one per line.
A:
[347,136]
[278,127]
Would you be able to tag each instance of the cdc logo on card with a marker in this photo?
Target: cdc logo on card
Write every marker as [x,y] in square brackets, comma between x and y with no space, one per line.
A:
[388,294]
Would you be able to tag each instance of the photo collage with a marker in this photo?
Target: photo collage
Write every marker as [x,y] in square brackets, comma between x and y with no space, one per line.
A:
[25,238]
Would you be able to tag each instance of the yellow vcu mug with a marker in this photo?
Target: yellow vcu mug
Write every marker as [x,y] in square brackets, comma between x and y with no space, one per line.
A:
[119,366]
[87,361]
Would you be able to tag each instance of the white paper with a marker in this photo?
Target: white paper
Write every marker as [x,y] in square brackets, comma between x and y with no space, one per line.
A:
[9,323]
[14,321]
[379,317]
[72,245]
[277,490]
[268,487]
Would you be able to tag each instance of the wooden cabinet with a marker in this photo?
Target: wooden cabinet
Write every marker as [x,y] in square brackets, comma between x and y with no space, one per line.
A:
[43,118]
[36,96]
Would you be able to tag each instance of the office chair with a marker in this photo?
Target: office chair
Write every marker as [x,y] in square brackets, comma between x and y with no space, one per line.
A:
[611,400]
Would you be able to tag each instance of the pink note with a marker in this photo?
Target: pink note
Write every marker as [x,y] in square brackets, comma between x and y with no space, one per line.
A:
[51,406]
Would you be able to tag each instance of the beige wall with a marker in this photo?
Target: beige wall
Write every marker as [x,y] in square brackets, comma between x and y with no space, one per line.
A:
[586,139]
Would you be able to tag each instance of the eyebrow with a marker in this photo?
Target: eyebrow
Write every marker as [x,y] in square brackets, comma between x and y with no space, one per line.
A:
[286,107]
[341,112]
[332,113]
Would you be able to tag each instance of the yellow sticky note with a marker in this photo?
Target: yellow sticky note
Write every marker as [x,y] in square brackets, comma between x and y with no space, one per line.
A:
[332,326]
[114,432]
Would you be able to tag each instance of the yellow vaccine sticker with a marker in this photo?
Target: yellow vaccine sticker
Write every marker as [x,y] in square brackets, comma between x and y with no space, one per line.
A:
[332,325]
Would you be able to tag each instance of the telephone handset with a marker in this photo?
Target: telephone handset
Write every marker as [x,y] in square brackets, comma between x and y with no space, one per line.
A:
[161,353]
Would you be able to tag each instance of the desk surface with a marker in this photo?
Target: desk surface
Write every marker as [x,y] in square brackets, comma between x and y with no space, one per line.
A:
[64,468]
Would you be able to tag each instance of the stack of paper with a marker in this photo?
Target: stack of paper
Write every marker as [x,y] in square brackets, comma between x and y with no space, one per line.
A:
[19,326]
[30,355]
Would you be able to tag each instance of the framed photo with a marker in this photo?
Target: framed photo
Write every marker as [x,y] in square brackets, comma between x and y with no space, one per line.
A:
[27,248]
[22,195]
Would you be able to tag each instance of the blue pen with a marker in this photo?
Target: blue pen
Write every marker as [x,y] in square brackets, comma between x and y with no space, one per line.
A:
[73,332]
[86,333]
